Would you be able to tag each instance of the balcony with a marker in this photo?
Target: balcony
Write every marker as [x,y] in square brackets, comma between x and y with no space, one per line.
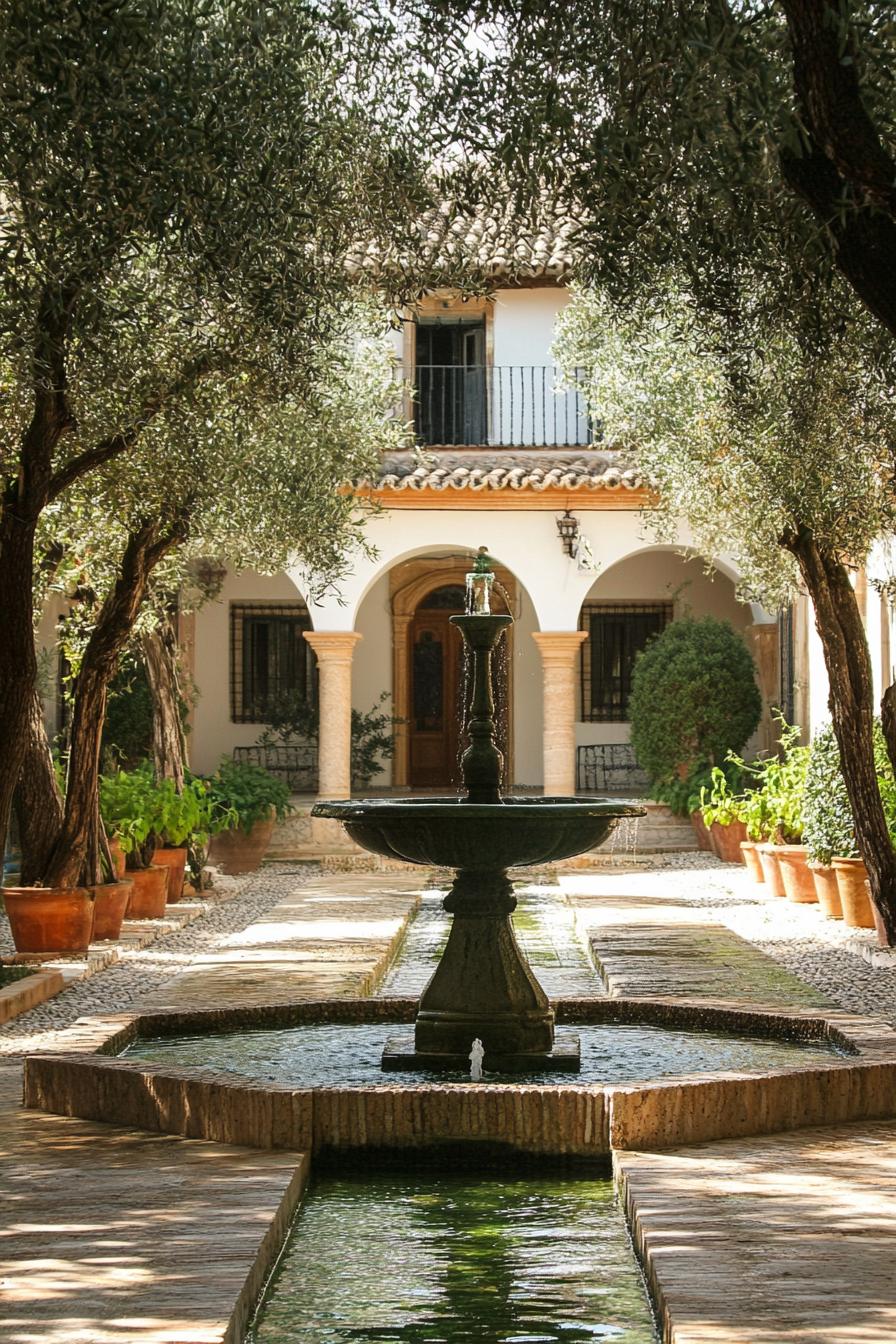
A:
[498,406]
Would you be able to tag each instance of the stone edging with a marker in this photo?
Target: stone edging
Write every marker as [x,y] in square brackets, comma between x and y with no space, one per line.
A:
[581,1120]
[28,993]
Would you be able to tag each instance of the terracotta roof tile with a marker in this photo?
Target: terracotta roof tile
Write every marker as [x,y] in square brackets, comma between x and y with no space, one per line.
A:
[453,238]
[508,469]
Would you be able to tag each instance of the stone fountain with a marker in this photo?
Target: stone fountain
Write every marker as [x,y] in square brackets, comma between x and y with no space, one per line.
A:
[483,988]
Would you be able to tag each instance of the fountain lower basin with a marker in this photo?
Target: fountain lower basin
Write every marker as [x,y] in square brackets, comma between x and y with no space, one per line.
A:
[339,1054]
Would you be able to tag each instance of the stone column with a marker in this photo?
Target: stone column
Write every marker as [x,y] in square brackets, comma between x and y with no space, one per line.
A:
[334,679]
[559,651]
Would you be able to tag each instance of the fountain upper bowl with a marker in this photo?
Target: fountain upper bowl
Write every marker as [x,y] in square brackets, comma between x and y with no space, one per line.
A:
[452,833]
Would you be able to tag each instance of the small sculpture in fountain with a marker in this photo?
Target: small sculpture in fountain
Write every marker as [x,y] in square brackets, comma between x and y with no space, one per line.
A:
[477,1055]
[483,989]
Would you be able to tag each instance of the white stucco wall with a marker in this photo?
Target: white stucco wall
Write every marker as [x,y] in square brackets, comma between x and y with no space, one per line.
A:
[213,734]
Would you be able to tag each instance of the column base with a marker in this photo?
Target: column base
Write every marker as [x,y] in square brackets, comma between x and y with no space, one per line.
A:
[400,1055]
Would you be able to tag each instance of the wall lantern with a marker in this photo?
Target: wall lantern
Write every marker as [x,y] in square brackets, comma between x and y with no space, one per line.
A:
[568,527]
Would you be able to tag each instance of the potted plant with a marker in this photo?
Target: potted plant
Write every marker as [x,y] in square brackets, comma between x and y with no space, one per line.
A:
[721,814]
[244,801]
[785,786]
[827,821]
[753,811]
[180,819]
[829,827]
[129,807]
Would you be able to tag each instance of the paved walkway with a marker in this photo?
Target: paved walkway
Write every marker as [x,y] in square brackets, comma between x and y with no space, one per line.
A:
[785,1238]
[649,946]
[331,938]
[113,1237]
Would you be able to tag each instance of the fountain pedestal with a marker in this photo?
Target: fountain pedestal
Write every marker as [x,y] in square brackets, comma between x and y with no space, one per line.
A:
[483,988]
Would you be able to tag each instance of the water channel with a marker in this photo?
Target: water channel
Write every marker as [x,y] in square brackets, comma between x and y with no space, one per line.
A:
[456,1257]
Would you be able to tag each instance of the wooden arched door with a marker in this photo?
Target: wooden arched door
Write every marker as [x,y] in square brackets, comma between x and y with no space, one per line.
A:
[438,688]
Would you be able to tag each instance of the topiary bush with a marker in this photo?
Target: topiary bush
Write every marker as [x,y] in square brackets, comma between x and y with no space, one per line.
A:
[694,697]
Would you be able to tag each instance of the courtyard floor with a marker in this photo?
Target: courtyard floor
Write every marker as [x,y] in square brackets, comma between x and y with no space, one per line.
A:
[112,1235]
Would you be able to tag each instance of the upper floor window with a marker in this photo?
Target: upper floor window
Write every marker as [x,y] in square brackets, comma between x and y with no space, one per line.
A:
[269,658]
[463,398]
[617,632]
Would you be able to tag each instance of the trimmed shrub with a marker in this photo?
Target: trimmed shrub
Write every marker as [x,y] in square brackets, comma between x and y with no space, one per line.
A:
[694,697]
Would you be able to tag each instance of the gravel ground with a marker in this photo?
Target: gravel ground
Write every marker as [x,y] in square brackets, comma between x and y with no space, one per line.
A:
[822,952]
[142,972]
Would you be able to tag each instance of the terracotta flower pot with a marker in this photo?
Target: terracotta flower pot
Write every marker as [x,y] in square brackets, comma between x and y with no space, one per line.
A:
[50,919]
[239,851]
[751,859]
[826,889]
[175,860]
[701,831]
[798,883]
[150,889]
[852,885]
[728,840]
[118,857]
[111,903]
[768,857]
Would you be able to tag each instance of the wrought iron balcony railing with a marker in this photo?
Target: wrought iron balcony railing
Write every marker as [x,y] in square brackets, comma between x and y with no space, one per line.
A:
[500,406]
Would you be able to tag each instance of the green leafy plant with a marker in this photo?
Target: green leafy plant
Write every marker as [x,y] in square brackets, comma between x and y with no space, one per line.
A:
[828,828]
[684,796]
[144,813]
[240,794]
[373,741]
[294,720]
[827,819]
[772,809]
[694,697]
[718,803]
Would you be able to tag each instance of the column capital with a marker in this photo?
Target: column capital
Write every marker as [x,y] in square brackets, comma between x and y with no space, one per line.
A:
[559,646]
[332,646]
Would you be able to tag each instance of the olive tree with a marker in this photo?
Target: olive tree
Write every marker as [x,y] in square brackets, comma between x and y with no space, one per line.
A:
[251,488]
[787,468]
[182,184]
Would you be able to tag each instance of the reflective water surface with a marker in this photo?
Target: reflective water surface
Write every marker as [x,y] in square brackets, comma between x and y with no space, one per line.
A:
[334,1054]
[443,1258]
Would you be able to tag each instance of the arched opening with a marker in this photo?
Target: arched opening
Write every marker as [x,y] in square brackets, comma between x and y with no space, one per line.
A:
[430,677]
[627,605]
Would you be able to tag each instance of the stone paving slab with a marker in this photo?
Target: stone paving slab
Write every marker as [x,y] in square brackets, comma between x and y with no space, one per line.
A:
[330,938]
[784,1238]
[108,1236]
[649,946]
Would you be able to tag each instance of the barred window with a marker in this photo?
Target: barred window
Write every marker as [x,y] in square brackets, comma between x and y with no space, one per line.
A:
[617,632]
[269,657]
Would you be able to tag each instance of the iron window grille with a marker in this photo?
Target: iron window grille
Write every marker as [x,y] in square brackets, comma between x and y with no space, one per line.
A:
[617,632]
[269,658]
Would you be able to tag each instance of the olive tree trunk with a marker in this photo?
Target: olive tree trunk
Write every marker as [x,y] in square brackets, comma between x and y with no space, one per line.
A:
[38,800]
[169,747]
[842,634]
[74,857]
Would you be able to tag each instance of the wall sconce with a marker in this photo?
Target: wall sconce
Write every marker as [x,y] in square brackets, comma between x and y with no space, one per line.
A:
[568,527]
[209,575]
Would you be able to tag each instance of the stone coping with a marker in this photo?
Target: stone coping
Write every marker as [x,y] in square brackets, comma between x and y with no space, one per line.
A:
[565,1119]
[28,992]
